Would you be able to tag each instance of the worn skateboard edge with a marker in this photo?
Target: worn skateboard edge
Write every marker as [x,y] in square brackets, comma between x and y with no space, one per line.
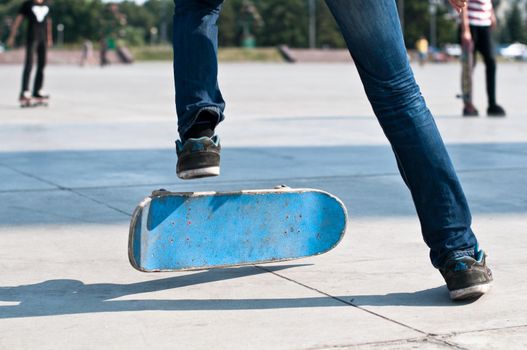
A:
[34,102]
[138,213]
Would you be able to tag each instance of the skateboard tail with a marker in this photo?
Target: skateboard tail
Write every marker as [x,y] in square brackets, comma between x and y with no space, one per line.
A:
[134,242]
[467,66]
[189,231]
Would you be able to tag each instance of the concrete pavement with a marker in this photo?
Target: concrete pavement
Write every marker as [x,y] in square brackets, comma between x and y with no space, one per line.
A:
[70,176]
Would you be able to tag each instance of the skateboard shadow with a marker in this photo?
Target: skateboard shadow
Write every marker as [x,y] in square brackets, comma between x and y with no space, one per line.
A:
[66,297]
[166,207]
[217,202]
[162,208]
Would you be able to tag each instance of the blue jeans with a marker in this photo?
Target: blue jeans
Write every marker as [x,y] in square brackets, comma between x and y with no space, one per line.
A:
[373,35]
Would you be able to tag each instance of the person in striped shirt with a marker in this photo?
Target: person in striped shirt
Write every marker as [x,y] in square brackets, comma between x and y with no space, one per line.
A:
[477,21]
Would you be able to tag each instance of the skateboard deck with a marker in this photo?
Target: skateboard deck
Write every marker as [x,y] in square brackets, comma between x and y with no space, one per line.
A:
[467,67]
[34,102]
[199,230]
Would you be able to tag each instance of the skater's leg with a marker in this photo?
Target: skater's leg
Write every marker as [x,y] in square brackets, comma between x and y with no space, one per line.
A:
[28,66]
[41,65]
[195,63]
[373,34]
[199,102]
[485,46]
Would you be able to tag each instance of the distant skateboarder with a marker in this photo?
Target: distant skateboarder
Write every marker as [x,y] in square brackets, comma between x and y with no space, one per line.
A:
[373,34]
[477,22]
[38,39]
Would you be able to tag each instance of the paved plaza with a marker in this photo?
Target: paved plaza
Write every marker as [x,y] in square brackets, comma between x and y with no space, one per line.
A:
[71,175]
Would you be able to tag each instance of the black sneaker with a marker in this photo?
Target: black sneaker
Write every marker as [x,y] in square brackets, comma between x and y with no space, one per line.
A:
[496,111]
[467,277]
[41,95]
[198,157]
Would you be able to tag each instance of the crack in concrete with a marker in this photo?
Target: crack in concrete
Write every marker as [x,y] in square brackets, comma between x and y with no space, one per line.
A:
[62,188]
[442,339]
[434,339]
[450,343]
[227,182]
[374,343]
[99,202]
[488,330]
[342,300]
[34,177]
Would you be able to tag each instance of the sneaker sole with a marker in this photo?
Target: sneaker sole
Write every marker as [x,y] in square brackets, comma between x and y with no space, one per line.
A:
[199,173]
[470,292]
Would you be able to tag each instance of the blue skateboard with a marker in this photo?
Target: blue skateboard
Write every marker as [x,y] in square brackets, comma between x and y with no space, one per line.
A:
[200,230]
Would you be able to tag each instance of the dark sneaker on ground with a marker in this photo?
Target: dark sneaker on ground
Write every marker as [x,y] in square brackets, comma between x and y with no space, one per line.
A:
[470,111]
[467,277]
[41,95]
[496,111]
[199,157]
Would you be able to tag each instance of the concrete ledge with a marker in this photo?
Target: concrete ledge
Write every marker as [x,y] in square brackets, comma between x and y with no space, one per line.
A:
[314,55]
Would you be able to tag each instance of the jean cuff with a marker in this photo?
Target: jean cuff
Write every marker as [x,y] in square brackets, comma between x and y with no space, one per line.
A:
[214,109]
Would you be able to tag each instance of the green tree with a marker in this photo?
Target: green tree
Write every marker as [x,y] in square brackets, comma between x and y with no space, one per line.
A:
[228,27]
[417,22]
[80,20]
[514,26]
[285,23]
[8,12]
[282,22]
[157,14]
[328,32]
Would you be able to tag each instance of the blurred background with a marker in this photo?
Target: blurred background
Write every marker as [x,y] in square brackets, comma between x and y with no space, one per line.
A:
[261,30]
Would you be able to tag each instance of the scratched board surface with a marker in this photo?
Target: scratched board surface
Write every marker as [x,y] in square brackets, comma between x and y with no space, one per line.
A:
[186,231]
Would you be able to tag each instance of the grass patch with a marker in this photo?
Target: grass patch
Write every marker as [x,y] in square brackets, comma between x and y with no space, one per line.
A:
[230,54]
[152,53]
[234,54]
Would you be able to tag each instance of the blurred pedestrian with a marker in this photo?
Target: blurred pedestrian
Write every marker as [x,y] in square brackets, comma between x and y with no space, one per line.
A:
[87,53]
[38,39]
[103,52]
[477,22]
[373,34]
[421,46]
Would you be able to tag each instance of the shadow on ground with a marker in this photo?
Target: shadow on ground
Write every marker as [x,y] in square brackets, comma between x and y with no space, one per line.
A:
[104,186]
[65,297]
